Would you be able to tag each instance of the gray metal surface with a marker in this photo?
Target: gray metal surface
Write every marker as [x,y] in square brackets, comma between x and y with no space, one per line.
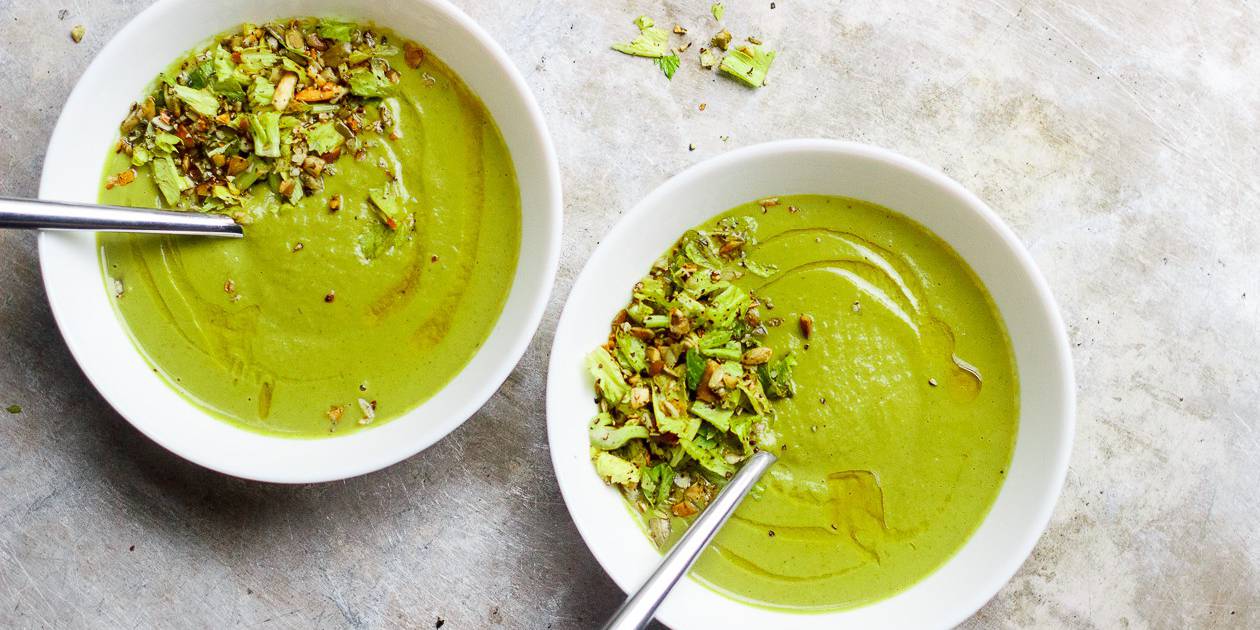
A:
[61,215]
[1119,138]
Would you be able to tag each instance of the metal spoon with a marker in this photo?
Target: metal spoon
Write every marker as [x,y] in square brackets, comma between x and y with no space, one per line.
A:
[64,215]
[638,610]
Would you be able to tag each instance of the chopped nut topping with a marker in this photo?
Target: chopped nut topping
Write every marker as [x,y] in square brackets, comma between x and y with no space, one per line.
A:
[807,325]
[758,356]
[334,413]
[413,54]
[679,324]
[722,39]
[284,91]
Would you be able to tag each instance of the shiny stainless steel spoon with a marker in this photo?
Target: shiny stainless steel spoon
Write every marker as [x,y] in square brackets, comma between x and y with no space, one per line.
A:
[638,610]
[64,215]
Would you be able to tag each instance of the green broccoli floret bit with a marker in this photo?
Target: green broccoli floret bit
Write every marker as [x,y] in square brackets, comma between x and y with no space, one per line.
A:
[632,352]
[616,470]
[612,385]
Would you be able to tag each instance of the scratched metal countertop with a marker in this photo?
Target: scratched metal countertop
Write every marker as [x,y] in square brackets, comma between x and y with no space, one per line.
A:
[1119,138]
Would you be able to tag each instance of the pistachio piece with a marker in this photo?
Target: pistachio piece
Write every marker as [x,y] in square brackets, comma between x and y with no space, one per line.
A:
[758,356]
[807,325]
[722,39]
[413,54]
[294,40]
[337,54]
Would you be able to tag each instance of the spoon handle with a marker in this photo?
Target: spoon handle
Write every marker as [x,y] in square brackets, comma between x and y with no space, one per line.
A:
[63,215]
[637,611]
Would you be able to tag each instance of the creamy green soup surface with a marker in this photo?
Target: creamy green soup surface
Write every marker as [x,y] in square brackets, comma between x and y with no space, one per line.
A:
[893,416]
[326,318]
[904,422]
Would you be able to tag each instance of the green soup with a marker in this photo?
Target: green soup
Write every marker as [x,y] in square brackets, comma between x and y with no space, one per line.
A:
[898,439]
[316,309]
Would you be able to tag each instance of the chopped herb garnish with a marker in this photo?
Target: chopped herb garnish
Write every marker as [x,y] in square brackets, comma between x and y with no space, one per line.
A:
[201,101]
[324,137]
[274,104]
[668,65]
[718,9]
[14,409]
[651,42]
[684,382]
[387,204]
[749,63]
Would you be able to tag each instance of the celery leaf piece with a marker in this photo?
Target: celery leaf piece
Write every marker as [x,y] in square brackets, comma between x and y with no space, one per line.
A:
[668,65]
[265,128]
[324,137]
[748,63]
[332,29]
[387,204]
[261,93]
[718,9]
[370,83]
[651,42]
[169,181]
[608,438]
[656,482]
[615,469]
[632,351]
[607,375]
[776,377]
[720,418]
[255,60]
[695,368]
[201,101]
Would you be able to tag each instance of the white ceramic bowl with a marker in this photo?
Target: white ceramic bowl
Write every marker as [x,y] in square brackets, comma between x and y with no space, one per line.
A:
[72,275]
[1047,394]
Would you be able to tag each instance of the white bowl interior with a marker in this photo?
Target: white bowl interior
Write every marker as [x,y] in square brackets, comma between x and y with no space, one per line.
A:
[76,291]
[1024,504]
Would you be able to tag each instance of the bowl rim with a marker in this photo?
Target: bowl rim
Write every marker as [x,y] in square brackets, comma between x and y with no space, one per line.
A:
[1062,364]
[545,250]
